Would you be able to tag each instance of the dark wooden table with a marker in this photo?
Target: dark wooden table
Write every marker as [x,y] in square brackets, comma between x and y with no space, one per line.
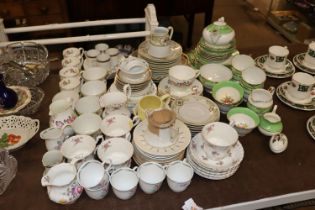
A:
[262,174]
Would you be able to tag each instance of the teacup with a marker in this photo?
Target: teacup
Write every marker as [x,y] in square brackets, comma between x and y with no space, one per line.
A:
[70,84]
[151,102]
[53,137]
[253,77]
[101,47]
[51,158]
[91,55]
[93,88]
[213,73]
[88,104]
[159,46]
[73,52]
[87,124]
[301,86]
[241,62]
[115,152]
[124,182]
[103,61]
[220,138]
[78,147]
[309,58]
[277,57]
[94,73]
[94,178]
[132,67]
[179,175]
[118,125]
[67,94]
[72,62]
[69,72]
[181,76]
[115,100]
[227,94]
[151,176]
[260,100]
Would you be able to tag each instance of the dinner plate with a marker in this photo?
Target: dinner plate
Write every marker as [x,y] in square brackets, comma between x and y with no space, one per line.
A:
[178,144]
[310,126]
[288,71]
[24,98]
[281,94]
[298,62]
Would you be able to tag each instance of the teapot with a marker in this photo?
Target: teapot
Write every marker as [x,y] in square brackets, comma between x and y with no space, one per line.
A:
[270,123]
[62,184]
[218,33]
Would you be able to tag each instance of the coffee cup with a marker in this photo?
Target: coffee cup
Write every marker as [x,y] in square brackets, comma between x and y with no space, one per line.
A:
[301,86]
[277,57]
[309,58]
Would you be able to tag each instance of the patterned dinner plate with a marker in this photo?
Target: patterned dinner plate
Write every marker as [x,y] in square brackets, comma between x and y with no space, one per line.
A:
[298,62]
[288,71]
[281,94]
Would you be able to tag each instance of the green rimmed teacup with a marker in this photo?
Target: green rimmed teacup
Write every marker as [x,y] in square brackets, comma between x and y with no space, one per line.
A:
[243,119]
[227,94]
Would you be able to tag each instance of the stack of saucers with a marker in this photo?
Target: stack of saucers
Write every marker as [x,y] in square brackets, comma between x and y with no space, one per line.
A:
[215,153]
[196,112]
[160,66]
[150,147]
[205,53]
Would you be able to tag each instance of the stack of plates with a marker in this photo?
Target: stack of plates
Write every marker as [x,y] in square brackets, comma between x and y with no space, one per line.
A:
[196,112]
[136,85]
[212,169]
[149,147]
[205,53]
[160,66]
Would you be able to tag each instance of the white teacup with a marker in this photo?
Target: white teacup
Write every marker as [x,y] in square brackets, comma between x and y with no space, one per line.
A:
[151,176]
[94,178]
[124,182]
[69,72]
[94,73]
[88,104]
[118,125]
[73,52]
[302,86]
[51,158]
[93,88]
[53,137]
[72,62]
[254,76]
[182,76]
[115,100]
[103,60]
[70,84]
[159,42]
[179,175]
[242,62]
[277,57]
[87,124]
[101,47]
[64,94]
[309,58]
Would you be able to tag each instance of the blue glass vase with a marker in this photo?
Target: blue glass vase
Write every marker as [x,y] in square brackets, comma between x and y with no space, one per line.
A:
[8,97]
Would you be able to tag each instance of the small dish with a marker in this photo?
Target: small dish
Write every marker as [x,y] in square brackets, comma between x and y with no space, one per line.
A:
[24,98]
[278,143]
[37,96]
[284,73]
[298,62]
[15,131]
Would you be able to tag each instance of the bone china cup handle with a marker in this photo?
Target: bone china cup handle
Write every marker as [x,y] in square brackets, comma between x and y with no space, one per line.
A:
[127,90]
[171,31]
[135,120]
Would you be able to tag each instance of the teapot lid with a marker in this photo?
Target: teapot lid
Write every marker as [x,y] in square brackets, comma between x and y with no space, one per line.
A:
[220,26]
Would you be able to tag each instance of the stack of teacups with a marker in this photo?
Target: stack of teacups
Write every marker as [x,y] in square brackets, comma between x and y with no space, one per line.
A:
[215,153]
[72,57]
[239,64]
[181,79]
[252,78]
[160,52]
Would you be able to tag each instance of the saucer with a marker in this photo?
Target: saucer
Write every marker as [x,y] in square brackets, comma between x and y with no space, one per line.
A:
[270,72]
[142,139]
[310,126]
[195,89]
[281,94]
[298,62]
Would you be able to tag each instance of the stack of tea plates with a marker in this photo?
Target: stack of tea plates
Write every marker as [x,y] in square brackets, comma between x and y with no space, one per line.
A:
[150,147]
[204,53]
[160,66]
[195,112]
[213,169]
[136,85]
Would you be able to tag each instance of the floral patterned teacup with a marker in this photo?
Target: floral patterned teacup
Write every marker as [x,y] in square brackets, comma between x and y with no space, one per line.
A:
[53,137]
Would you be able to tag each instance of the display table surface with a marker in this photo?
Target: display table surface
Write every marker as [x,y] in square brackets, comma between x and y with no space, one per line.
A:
[261,175]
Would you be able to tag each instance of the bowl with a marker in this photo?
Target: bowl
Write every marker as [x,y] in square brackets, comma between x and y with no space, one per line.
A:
[210,74]
[243,119]
[16,131]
